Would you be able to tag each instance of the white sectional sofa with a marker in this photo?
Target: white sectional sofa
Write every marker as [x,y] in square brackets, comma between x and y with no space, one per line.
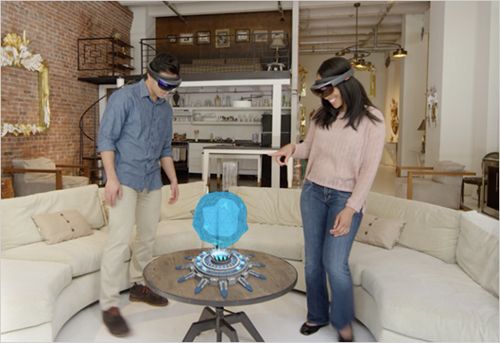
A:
[438,283]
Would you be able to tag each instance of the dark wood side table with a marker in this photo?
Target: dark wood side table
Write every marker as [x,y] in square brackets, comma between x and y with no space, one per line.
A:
[161,276]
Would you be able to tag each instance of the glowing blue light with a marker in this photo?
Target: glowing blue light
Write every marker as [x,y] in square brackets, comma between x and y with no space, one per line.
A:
[220,218]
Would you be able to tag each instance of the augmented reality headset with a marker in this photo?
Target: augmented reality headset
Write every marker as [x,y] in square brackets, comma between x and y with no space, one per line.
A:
[166,83]
[324,87]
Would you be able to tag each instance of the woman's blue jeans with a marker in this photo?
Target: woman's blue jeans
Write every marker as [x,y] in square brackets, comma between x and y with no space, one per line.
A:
[327,255]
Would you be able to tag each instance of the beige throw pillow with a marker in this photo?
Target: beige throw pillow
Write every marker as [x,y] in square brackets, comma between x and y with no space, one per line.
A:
[381,232]
[61,226]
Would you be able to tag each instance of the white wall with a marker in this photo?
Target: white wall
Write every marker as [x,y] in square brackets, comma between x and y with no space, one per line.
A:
[392,90]
[463,66]
[413,83]
[143,26]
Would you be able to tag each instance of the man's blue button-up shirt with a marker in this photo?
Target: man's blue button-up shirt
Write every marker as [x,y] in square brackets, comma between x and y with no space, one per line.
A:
[139,131]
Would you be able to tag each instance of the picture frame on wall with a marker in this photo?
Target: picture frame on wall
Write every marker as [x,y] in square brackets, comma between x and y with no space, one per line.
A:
[222,39]
[202,37]
[172,39]
[186,39]
[260,35]
[242,36]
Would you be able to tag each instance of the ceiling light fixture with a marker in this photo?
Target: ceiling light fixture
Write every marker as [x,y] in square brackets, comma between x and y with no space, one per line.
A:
[358,60]
[400,53]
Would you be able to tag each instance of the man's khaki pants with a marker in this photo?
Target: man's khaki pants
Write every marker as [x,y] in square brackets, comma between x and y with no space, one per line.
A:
[134,207]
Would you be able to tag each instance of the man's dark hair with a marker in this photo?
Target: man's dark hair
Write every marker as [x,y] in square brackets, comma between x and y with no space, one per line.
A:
[165,62]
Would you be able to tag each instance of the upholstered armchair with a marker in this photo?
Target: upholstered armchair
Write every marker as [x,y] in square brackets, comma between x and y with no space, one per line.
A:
[43,175]
[444,188]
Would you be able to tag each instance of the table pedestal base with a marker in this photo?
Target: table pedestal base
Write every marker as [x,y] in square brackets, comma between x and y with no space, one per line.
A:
[210,320]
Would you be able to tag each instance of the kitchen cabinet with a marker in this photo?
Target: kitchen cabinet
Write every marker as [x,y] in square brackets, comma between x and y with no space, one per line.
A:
[205,92]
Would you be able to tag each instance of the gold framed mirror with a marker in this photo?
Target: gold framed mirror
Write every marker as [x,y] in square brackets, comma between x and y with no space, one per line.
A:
[14,52]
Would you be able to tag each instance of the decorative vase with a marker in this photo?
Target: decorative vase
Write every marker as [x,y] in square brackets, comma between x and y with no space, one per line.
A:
[176,97]
[217,101]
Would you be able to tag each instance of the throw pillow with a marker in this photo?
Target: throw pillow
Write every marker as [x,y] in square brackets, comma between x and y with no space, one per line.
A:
[61,226]
[380,232]
[37,163]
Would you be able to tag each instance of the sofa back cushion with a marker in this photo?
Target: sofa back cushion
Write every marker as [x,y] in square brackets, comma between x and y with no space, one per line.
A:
[448,166]
[271,205]
[477,250]
[430,229]
[190,195]
[18,227]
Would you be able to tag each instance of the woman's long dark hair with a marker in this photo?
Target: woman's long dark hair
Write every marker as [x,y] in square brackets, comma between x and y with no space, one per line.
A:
[353,95]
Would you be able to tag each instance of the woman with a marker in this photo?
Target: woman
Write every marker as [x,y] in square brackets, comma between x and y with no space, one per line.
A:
[344,146]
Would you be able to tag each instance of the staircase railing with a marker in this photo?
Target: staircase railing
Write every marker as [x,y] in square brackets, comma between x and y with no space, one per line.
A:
[96,169]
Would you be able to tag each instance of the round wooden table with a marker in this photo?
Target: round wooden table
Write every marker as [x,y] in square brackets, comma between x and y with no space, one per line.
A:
[161,276]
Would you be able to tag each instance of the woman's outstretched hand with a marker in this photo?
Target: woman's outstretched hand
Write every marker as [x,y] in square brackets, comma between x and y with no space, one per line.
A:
[286,152]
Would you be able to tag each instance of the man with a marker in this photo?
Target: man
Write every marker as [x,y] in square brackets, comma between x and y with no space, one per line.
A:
[134,139]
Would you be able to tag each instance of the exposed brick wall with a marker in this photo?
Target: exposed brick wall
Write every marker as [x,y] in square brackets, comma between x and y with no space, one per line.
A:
[53,28]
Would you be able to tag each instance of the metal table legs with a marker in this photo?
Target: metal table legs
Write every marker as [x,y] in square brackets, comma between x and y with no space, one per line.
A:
[210,320]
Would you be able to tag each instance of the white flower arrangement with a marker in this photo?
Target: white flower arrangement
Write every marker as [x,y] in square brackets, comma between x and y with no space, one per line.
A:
[14,52]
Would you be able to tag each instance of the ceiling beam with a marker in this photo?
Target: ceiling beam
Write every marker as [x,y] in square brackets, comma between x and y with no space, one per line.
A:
[348,30]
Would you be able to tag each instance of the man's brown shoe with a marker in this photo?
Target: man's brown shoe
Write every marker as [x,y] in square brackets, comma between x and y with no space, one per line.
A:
[115,323]
[144,294]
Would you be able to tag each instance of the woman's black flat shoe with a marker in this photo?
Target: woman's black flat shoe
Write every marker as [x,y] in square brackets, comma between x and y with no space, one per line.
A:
[342,339]
[310,329]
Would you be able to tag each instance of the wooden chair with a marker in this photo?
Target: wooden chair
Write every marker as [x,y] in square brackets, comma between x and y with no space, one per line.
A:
[40,180]
[443,189]
[478,180]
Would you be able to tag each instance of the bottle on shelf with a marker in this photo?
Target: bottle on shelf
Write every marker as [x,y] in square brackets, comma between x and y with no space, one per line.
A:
[211,137]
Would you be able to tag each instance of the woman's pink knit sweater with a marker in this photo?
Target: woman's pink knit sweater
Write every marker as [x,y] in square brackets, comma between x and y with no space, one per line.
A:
[342,158]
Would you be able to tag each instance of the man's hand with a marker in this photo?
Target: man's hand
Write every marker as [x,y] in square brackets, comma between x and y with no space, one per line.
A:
[174,189]
[112,188]
[342,223]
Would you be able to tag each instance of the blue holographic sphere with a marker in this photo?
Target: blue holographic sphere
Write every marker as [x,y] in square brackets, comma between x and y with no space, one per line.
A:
[220,218]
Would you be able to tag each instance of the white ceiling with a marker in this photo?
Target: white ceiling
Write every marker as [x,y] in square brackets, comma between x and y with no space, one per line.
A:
[324,25]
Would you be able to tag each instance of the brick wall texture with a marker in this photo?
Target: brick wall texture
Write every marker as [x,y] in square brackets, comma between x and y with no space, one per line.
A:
[53,28]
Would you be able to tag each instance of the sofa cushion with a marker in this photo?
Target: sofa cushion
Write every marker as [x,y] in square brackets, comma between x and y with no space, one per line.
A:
[429,228]
[37,163]
[440,298]
[61,226]
[29,290]
[477,250]
[282,241]
[364,256]
[381,232]
[83,255]
[189,196]
[448,166]
[270,205]
[174,235]
[19,229]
